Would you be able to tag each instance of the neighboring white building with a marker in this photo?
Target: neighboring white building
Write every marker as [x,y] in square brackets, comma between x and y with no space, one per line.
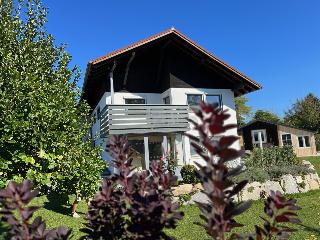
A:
[145,91]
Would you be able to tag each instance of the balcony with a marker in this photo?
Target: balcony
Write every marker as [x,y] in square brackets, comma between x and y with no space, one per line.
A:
[143,119]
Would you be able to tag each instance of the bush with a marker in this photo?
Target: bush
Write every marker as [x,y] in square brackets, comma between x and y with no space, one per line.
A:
[272,156]
[252,175]
[189,174]
[272,163]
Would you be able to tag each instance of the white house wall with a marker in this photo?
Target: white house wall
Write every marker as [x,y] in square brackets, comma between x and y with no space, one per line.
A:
[178,96]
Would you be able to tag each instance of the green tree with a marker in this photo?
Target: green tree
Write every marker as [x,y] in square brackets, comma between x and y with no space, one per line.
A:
[268,116]
[42,123]
[243,111]
[305,113]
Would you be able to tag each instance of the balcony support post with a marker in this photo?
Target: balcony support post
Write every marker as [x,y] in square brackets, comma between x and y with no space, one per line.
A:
[111,82]
[146,152]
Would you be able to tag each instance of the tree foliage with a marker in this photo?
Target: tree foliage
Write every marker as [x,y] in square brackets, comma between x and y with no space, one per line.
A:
[243,111]
[267,116]
[42,123]
[305,113]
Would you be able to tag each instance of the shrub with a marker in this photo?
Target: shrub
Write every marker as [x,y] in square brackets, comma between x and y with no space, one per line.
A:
[217,182]
[18,215]
[184,198]
[131,204]
[252,175]
[189,174]
[272,156]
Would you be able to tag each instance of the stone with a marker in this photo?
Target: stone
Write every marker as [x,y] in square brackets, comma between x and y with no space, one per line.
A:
[289,184]
[199,197]
[269,186]
[252,191]
[182,189]
[309,164]
[313,181]
[303,185]
[197,187]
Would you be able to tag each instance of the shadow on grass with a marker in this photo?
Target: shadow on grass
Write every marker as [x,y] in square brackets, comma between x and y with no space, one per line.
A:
[58,204]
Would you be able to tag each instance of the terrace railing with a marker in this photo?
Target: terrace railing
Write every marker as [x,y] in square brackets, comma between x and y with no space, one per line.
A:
[143,119]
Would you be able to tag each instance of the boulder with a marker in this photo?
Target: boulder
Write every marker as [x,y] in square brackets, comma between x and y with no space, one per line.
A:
[199,197]
[312,180]
[182,189]
[197,187]
[252,191]
[269,186]
[308,164]
[303,185]
[289,184]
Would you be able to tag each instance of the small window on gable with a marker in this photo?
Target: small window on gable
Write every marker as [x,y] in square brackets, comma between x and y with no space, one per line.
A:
[194,99]
[304,141]
[286,139]
[135,101]
[166,100]
[214,99]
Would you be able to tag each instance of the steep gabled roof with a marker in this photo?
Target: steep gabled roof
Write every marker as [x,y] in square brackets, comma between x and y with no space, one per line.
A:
[181,36]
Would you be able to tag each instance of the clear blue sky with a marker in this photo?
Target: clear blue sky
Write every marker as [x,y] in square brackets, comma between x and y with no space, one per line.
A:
[276,43]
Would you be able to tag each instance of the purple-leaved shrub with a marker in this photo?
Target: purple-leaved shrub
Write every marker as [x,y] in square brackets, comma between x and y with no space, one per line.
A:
[133,204]
[216,177]
[15,212]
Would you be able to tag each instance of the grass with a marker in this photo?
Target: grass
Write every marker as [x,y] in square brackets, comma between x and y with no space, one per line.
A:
[56,215]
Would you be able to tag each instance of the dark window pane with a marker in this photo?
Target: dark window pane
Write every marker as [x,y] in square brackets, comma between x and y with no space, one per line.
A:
[194,99]
[155,150]
[286,139]
[300,139]
[166,100]
[307,141]
[216,99]
[135,101]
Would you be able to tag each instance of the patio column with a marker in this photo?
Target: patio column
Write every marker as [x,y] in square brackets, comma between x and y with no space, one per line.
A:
[165,145]
[146,152]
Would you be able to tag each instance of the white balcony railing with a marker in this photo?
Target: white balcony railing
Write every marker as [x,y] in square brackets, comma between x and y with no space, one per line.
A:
[143,118]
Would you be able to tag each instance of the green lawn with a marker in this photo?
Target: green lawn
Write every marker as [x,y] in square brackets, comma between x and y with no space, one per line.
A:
[310,215]
[315,162]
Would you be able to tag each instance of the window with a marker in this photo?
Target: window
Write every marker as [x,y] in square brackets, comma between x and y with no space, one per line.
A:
[255,136]
[307,141]
[286,139]
[214,99]
[304,141]
[166,100]
[135,101]
[194,99]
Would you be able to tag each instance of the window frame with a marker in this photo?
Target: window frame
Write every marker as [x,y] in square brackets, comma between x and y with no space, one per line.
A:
[304,141]
[216,95]
[284,134]
[135,98]
[198,94]
[264,132]
[166,97]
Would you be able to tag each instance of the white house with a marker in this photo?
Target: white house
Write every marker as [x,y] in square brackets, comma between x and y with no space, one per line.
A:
[145,91]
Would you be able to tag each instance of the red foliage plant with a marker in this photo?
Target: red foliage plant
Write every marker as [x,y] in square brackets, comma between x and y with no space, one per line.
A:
[17,214]
[216,178]
[133,204]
